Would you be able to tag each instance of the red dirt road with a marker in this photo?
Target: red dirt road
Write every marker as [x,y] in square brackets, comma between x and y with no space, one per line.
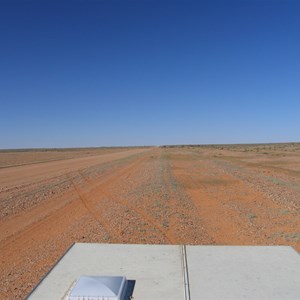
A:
[22,174]
[166,196]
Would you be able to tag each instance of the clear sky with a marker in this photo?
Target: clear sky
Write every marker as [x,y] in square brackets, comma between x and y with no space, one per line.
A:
[138,72]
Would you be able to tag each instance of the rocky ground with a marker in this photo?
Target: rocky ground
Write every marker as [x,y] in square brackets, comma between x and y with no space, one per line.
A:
[180,195]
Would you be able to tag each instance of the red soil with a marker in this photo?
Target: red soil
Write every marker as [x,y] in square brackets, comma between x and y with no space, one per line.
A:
[165,196]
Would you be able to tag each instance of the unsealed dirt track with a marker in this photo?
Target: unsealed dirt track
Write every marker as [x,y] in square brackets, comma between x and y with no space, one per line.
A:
[190,195]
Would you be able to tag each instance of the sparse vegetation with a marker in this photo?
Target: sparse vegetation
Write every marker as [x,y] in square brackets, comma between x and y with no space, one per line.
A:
[191,194]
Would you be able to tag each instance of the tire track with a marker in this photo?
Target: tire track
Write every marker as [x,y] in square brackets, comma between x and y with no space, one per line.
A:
[84,202]
[103,189]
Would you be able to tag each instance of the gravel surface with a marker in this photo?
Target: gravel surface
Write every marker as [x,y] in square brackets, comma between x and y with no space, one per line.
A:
[184,195]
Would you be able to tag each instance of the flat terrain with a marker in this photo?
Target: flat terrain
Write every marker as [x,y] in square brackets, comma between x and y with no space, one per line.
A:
[216,195]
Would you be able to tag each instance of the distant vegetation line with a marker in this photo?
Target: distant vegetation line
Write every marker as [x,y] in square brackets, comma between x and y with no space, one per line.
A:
[71,149]
[293,144]
[232,145]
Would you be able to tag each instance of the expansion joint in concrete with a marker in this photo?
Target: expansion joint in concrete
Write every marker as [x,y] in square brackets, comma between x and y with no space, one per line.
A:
[185,273]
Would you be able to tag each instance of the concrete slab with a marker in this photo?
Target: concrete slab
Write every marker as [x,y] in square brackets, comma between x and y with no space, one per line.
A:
[234,272]
[181,272]
[156,269]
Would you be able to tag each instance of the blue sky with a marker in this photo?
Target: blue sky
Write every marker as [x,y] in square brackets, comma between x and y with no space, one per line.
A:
[107,73]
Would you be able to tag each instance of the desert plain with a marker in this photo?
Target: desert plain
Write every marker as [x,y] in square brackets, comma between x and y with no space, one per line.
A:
[204,195]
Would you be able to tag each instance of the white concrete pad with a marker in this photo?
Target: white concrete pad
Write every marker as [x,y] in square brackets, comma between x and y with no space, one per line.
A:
[163,272]
[156,269]
[237,272]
